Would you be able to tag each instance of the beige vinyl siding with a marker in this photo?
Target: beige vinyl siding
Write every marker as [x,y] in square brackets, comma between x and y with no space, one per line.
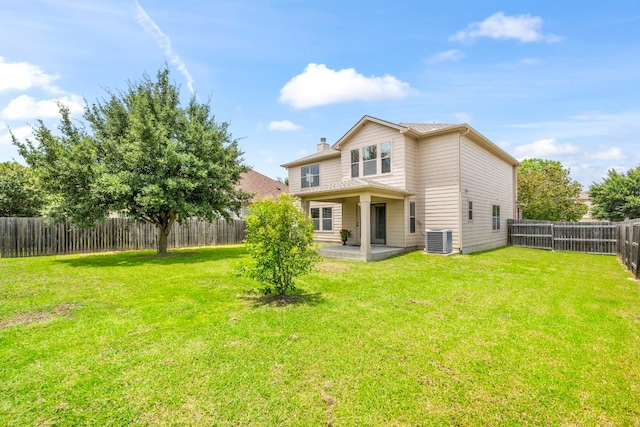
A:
[437,199]
[294,179]
[411,164]
[375,134]
[395,223]
[329,173]
[332,236]
[417,238]
[487,181]
[350,220]
[413,179]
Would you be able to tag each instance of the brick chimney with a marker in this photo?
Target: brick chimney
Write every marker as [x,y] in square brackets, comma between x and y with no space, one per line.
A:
[323,145]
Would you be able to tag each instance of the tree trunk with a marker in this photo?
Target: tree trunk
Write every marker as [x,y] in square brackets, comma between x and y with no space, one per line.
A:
[164,228]
[162,241]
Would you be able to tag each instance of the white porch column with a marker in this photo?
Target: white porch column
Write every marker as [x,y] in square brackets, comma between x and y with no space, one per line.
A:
[365,226]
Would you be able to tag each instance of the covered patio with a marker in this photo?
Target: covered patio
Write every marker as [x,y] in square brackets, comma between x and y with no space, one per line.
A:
[367,208]
[353,253]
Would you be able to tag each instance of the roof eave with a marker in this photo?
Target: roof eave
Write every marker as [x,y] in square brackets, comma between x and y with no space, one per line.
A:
[310,159]
[466,129]
[353,191]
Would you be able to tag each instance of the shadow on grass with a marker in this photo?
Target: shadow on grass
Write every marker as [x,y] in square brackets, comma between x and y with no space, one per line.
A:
[297,298]
[488,251]
[137,258]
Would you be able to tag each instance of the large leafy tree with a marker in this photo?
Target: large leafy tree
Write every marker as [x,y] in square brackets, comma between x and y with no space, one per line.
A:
[547,192]
[20,194]
[142,154]
[617,197]
[280,242]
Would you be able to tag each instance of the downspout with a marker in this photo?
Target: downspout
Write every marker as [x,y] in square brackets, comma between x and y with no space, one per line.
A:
[515,193]
[460,239]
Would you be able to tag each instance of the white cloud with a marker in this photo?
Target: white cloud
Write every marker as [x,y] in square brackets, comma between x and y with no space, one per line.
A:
[319,85]
[283,125]
[27,107]
[613,153]
[545,148]
[525,28]
[23,76]
[448,55]
[164,42]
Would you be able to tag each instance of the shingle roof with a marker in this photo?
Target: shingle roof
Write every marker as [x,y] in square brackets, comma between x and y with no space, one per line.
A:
[427,127]
[352,184]
[260,185]
[326,154]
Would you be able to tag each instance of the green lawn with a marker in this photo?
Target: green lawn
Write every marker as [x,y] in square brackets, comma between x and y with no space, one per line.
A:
[506,337]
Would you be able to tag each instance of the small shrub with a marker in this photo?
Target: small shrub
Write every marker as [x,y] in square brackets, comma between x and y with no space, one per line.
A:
[280,243]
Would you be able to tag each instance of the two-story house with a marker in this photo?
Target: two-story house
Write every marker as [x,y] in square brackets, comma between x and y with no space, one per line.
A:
[389,183]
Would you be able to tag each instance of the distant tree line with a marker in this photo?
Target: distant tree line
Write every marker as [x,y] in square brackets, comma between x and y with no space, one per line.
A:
[617,197]
[547,192]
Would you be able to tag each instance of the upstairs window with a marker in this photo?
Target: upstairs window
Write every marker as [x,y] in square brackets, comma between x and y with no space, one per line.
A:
[355,163]
[373,160]
[385,157]
[310,176]
[369,160]
[470,211]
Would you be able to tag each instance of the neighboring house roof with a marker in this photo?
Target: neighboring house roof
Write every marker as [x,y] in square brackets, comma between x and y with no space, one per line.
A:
[261,186]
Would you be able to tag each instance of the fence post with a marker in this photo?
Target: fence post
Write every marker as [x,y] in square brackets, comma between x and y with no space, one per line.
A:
[635,237]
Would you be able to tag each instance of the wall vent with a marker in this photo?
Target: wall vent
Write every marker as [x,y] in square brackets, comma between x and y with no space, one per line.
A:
[439,241]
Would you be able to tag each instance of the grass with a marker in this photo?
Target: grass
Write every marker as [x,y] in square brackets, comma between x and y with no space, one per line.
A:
[505,337]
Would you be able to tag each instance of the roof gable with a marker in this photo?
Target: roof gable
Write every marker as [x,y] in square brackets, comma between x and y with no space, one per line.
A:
[366,119]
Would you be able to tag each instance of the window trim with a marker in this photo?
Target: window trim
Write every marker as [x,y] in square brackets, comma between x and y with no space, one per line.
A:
[373,160]
[321,218]
[495,217]
[378,161]
[383,157]
[304,178]
[356,152]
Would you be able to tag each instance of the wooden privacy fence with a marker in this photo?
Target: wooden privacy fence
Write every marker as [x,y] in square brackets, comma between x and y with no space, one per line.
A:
[608,238]
[588,237]
[628,242]
[24,237]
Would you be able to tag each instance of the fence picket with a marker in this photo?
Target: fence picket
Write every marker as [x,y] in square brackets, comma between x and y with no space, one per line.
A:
[604,238]
[22,237]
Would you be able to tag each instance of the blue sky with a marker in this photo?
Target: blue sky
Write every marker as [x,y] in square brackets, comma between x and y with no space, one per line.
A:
[557,80]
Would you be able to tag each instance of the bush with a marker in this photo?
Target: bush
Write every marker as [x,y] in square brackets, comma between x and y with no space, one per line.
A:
[280,242]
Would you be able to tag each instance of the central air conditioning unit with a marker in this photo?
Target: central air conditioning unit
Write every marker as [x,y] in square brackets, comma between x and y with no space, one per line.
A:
[439,241]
